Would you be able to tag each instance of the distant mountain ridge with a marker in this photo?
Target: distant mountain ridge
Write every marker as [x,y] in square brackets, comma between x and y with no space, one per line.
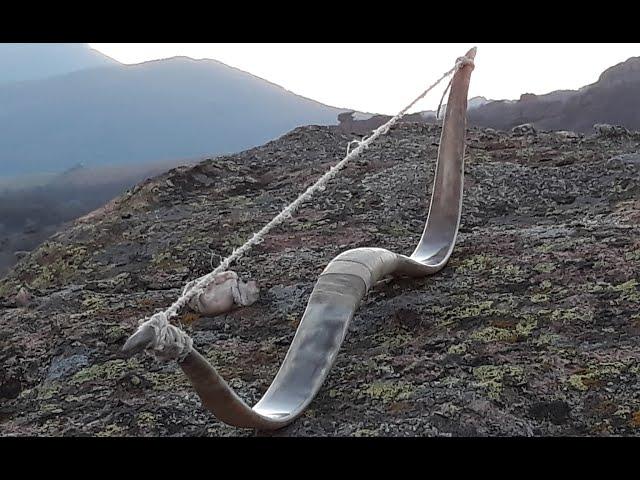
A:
[159,110]
[86,108]
[472,103]
[613,99]
[34,61]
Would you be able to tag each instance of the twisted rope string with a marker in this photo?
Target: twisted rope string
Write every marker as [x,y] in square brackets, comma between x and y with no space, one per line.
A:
[160,321]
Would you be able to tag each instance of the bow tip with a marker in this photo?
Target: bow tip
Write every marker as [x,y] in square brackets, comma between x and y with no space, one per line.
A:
[139,341]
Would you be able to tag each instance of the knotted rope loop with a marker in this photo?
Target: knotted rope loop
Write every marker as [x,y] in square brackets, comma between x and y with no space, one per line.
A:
[460,62]
[169,342]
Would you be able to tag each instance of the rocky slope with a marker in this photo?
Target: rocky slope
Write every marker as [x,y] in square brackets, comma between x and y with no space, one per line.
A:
[29,214]
[532,329]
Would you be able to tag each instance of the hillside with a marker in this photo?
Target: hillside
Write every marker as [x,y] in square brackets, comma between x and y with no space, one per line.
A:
[155,111]
[532,328]
[34,208]
[33,61]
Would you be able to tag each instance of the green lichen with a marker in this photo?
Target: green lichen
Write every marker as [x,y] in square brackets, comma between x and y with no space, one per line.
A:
[388,391]
[544,267]
[233,240]
[8,288]
[461,312]
[164,261]
[93,303]
[365,432]
[111,370]
[51,408]
[560,245]
[450,382]
[594,374]
[509,273]
[457,349]
[112,430]
[168,381]
[572,315]
[333,393]
[493,334]
[56,264]
[598,287]
[526,327]
[547,339]
[77,398]
[396,230]
[397,340]
[628,291]
[489,334]
[545,248]
[115,333]
[48,390]
[146,420]
[540,298]
[476,264]
[493,377]
[632,256]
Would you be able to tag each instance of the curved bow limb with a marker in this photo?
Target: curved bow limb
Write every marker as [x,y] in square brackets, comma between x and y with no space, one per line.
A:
[342,286]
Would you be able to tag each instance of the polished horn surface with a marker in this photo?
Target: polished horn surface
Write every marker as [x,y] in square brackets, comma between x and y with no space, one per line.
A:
[340,289]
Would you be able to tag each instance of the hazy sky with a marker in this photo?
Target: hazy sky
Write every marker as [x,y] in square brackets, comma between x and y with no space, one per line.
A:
[383,78]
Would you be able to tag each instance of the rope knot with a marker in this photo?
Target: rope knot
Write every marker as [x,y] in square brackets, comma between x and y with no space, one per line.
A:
[460,62]
[169,342]
[357,143]
[463,61]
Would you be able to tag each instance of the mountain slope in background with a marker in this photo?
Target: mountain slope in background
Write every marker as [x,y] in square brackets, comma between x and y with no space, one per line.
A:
[32,61]
[29,214]
[154,111]
[613,99]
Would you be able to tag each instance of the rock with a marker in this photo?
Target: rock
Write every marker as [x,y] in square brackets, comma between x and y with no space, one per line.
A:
[225,292]
[628,158]
[10,388]
[606,130]
[566,135]
[524,129]
[23,298]
[555,411]
[62,366]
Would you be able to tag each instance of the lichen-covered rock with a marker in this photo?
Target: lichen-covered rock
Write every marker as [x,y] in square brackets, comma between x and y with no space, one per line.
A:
[532,329]
[606,130]
[524,129]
